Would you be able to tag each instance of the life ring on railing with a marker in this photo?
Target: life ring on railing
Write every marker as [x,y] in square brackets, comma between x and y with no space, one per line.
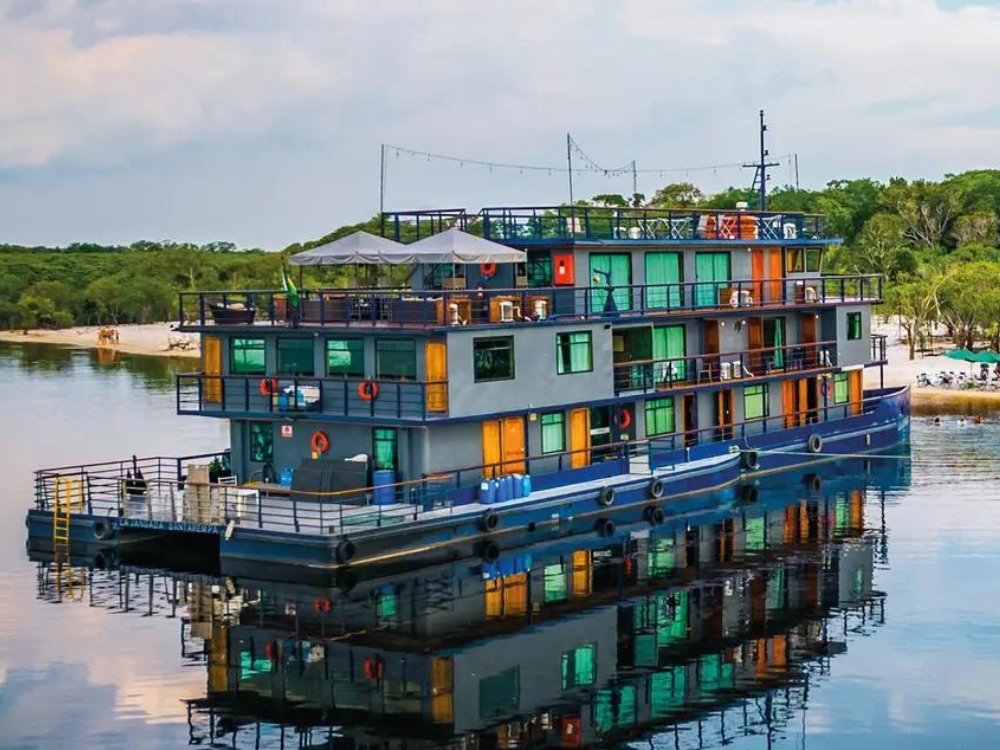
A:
[268,386]
[488,270]
[623,418]
[321,604]
[368,390]
[825,387]
[320,442]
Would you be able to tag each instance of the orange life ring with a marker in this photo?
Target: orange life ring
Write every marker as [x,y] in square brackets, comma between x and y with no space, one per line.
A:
[374,668]
[368,390]
[268,386]
[321,605]
[488,269]
[270,651]
[320,443]
[623,419]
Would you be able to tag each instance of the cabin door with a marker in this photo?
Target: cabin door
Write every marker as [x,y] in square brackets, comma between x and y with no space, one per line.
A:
[755,342]
[775,272]
[790,402]
[809,326]
[689,411]
[710,348]
[436,366]
[212,367]
[856,390]
[724,413]
[503,446]
[579,438]
[757,274]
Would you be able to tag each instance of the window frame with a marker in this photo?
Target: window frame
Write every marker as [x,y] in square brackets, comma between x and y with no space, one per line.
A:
[561,418]
[492,341]
[813,254]
[658,405]
[279,370]
[384,438]
[344,340]
[378,359]
[766,407]
[568,346]
[234,350]
[795,260]
[569,677]
[841,379]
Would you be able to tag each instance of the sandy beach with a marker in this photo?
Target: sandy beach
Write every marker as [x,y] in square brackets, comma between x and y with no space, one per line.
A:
[153,339]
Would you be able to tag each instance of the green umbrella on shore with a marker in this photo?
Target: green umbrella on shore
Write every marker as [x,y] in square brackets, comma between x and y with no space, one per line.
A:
[986,356]
[963,355]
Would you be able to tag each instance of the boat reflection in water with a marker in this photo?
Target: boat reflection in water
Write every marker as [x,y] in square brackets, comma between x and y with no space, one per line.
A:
[699,631]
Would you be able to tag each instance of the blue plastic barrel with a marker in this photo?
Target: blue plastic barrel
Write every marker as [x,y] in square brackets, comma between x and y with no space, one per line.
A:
[287,472]
[503,490]
[487,492]
[525,485]
[384,492]
[517,486]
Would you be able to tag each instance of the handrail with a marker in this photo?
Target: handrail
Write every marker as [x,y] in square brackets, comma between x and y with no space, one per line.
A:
[402,308]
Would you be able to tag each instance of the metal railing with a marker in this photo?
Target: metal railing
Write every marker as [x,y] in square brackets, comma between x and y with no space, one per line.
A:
[680,372]
[270,395]
[526,223]
[879,347]
[391,308]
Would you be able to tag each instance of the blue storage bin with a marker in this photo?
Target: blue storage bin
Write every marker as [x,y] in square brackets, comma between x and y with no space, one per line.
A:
[525,485]
[384,493]
[287,473]
[517,486]
[487,492]
[503,495]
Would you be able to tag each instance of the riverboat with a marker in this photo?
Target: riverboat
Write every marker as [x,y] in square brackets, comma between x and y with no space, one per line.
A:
[545,372]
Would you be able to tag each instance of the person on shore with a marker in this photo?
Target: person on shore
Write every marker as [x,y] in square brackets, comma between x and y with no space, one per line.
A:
[977,419]
[937,421]
[961,422]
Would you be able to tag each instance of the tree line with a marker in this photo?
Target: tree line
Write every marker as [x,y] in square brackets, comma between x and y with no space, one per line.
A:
[935,242]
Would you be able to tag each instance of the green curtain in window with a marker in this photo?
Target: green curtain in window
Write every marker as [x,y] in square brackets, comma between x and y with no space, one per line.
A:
[710,267]
[553,433]
[779,341]
[669,343]
[614,707]
[385,448]
[675,629]
[776,590]
[619,265]
[754,402]
[663,269]
[667,691]
[755,534]
[659,417]
[499,694]
[710,672]
[555,583]
[662,557]
[841,516]
[841,388]
[574,352]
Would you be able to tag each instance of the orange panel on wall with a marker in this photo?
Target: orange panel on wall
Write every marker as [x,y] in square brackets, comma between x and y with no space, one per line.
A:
[563,271]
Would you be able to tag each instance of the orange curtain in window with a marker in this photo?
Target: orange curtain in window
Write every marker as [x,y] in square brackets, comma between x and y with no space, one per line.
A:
[211,347]
[581,581]
[856,390]
[442,690]
[579,438]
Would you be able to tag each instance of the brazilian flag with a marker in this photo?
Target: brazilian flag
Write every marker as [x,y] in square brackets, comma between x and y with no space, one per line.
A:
[290,288]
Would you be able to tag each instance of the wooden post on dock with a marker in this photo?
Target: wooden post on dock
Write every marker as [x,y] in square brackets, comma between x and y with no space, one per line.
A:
[197,495]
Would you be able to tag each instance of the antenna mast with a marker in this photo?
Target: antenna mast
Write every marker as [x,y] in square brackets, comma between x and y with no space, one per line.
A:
[760,168]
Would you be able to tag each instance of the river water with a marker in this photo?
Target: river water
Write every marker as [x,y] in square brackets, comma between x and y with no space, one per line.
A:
[907,657]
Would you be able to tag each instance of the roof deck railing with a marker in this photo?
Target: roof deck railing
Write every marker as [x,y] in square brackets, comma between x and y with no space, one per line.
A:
[430,309]
[517,224]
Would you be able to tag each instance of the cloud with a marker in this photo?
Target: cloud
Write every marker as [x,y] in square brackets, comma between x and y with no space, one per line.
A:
[232,94]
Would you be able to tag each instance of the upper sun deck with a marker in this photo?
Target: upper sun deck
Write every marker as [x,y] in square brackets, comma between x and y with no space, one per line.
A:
[540,225]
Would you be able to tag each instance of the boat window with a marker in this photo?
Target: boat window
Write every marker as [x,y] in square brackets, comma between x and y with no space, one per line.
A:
[384,448]
[295,357]
[574,352]
[553,433]
[493,358]
[853,326]
[500,694]
[246,357]
[539,269]
[794,261]
[555,583]
[396,359]
[578,668]
[345,357]
[659,416]
[755,402]
[841,388]
[813,258]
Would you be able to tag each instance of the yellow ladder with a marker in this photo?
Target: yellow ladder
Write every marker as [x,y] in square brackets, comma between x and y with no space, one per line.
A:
[68,500]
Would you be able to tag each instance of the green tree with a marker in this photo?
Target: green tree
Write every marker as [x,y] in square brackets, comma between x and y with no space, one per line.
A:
[677,195]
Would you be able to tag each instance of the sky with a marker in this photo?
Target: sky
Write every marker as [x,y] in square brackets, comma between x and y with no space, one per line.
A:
[261,122]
